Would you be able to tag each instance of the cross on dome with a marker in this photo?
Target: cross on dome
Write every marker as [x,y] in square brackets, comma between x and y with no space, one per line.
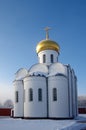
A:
[47,32]
[47,44]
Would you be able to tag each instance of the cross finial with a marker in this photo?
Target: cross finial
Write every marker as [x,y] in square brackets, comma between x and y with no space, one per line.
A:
[47,32]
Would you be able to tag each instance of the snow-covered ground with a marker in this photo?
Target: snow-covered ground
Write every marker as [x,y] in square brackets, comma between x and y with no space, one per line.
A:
[22,124]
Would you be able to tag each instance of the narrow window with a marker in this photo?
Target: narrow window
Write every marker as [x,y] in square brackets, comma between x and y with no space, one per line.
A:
[16,96]
[51,58]
[39,94]
[30,94]
[44,58]
[54,94]
[24,95]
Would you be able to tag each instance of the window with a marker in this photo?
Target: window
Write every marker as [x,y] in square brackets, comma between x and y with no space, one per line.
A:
[24,95]
[44,58]
[16,96]
[30,94]
[51,58]
[54,94]
[39,94]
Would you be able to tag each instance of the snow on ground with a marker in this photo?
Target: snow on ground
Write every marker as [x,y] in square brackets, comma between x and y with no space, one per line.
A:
[22,124]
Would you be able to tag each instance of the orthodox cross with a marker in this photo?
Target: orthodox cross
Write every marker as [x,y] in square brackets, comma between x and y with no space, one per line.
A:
[47,32]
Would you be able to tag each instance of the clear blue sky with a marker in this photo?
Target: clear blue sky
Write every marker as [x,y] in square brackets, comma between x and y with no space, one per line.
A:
[21,28]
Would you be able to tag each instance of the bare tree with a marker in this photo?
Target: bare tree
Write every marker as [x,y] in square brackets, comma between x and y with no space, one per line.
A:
[1,105]
[8,104]
[82,101]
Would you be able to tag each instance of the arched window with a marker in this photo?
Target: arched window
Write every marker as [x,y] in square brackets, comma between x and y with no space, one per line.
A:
[44,58]
[51,58]
[24,95]
[54,94]
[16,96]
[30,94]
[39,94]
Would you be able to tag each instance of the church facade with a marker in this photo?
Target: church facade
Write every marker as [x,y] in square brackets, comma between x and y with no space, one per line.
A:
[48,89]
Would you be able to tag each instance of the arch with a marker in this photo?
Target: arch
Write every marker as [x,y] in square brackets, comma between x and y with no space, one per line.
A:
[44,58]
[51,57]
[16,96]
[54,94]
[39,94]
[38,68]
[30,94]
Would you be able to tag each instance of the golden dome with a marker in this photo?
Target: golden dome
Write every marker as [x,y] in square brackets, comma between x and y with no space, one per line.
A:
[47,45]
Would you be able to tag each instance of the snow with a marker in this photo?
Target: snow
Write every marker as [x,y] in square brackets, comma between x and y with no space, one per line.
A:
[22,124]
[21,73]
[39,68]
[56,68]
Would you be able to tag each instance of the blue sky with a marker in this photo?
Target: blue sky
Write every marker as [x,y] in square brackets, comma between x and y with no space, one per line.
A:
[21,28]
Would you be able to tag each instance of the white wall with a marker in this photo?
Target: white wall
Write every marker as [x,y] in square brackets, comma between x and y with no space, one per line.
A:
[59,108]
[70,86]
[74,94]
[18,106]
[35,108]
[48,58]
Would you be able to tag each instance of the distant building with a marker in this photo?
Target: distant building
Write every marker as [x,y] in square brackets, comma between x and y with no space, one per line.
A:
[48,89]
[82,105]
[82,110]
[5,111]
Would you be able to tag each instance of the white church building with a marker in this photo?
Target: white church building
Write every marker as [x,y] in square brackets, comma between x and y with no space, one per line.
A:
[48,89]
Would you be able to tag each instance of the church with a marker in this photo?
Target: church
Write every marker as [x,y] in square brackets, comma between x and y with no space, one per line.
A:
[47,90]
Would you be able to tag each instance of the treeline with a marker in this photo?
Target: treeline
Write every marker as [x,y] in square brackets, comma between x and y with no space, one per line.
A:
[82,101]
[7,104]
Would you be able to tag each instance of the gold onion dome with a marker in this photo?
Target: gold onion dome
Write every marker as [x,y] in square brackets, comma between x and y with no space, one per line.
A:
[47,44]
